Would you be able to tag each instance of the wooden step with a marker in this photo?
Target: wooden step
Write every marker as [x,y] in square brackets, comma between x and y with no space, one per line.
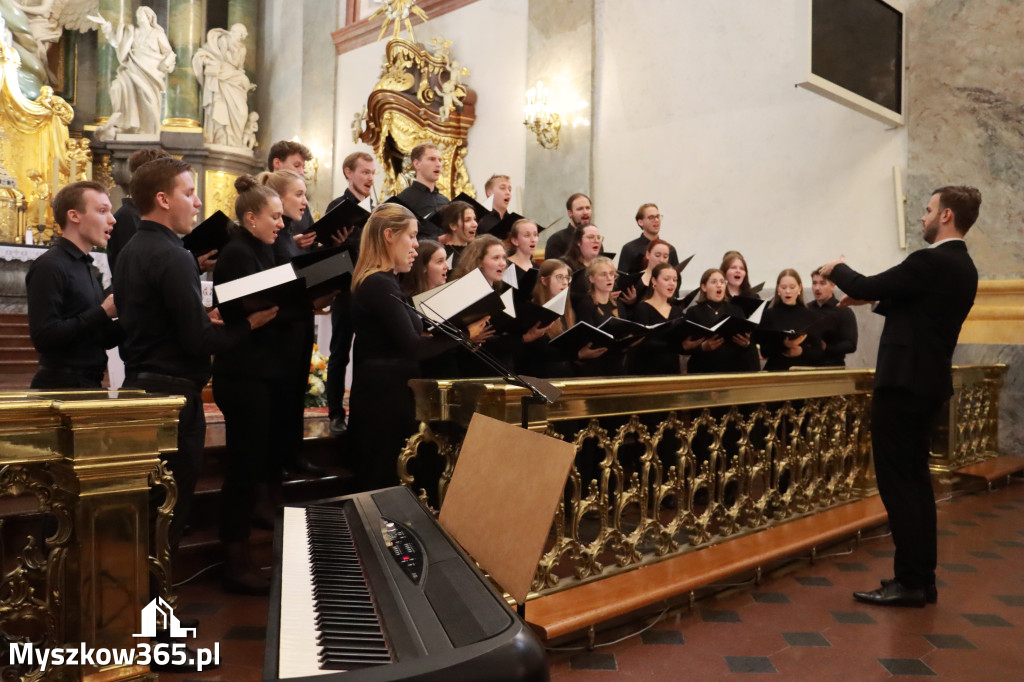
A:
[13,327]
[14,318]
[576,609]
[28,354]
[19,366]
[992,470]
[16,341]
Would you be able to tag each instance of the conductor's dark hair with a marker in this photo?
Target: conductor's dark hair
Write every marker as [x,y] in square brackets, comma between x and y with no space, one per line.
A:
[154,177]
[963,201]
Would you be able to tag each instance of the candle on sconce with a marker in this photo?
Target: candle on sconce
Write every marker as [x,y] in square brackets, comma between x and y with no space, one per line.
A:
[55,178]
[73,175]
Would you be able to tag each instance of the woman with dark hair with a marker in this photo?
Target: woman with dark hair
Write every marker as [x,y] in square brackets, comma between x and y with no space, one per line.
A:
[459,222]
[655,354]
[734,265]
[657,252]
[389,343]
[429,271]
[585,247]
[538,358]
[714,354]
[788,311]
[252,386]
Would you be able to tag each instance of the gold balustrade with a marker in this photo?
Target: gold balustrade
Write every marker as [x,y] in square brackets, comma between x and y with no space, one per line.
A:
[667,465]
[80,467]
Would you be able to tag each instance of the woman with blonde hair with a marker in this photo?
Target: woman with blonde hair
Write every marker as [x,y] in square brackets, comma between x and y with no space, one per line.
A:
[389,343]
[520,245]
[788,311]
[594,308]
[291,187]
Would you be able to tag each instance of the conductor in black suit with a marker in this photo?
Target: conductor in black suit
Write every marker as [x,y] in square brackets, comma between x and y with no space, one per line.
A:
[925,300]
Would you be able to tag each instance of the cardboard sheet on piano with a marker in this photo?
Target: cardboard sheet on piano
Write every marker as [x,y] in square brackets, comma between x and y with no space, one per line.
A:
[502,498]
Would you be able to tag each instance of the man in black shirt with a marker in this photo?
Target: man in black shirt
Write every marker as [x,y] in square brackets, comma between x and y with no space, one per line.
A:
[578,207]
[648,218]
[128,215]
[359,170]
[70,321]
[840,337]
[292,156]
[422,196]
[499,187]
[169,336]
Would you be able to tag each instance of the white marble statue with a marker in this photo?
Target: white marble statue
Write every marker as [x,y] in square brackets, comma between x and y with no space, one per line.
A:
[145,58]
[220,69]
[251,128]
[47,20]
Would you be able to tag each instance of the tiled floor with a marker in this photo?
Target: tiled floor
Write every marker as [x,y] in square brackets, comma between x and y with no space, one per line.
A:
[800,624]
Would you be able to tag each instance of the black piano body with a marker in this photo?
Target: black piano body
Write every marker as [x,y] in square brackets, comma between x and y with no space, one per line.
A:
[441,619]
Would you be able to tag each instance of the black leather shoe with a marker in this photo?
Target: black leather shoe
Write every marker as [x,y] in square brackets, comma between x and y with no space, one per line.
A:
[893,594]
[338,426]
[931,594]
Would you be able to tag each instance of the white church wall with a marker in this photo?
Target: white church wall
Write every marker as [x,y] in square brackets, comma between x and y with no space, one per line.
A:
[696,110]
[488,38]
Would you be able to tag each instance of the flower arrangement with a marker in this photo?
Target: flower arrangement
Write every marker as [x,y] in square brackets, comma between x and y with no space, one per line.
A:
[316,389]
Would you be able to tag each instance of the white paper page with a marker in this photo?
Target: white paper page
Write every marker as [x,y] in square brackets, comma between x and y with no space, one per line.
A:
[557,304]
[229,291]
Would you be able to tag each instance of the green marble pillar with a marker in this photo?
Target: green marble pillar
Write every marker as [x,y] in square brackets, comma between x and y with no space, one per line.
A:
[114,11]
[186,28]
[247,13]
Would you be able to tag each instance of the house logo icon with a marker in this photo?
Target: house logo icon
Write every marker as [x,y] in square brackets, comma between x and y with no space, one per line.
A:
[158,615]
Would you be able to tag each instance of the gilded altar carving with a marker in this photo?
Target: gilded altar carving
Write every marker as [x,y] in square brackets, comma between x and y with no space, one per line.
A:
[220,192]
[36,136]
[419,97]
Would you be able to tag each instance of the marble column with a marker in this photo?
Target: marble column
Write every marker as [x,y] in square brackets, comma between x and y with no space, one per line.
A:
[185,30]
[560,49]
[247,13]
[116,12]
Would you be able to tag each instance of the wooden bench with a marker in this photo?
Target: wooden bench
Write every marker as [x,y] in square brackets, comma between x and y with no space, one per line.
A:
[991,470]
[580,608]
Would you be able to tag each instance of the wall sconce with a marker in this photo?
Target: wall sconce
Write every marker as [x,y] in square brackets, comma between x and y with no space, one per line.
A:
[540,119]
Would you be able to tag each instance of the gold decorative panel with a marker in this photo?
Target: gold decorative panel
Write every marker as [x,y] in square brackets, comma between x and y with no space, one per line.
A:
[667,465]
[220,192]
[420,97]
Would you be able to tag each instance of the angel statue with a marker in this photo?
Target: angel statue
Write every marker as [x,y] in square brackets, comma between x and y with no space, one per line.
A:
[145,58]
[47,20]
[252,126]
[219,66]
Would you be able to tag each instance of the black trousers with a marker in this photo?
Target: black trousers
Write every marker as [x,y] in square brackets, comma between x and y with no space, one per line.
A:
[258,431]
[66,377]
[341,345]
[186,462]
[901,429]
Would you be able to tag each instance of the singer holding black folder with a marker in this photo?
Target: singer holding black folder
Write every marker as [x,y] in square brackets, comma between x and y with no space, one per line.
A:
[656,355]
[292,189]
[252,386]
[715,354]
[389,344]
[594,308]
[788,312]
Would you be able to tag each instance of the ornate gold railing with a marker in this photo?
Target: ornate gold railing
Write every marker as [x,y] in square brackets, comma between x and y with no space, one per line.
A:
[666,465]
[969,431]
[76,471]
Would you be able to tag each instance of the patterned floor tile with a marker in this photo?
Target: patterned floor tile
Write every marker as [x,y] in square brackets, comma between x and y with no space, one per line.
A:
[987,620]
[814,581]
[985,554]
[713,616]
[770,598]
[1011,599]
[853,618]
[949,641]
[662,637]
[592,660]
[852,567]
[958,568]
[805,639]
[750,664]
[907,666]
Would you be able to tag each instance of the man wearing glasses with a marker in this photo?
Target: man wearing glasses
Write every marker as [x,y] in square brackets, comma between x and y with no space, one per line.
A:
[648,218]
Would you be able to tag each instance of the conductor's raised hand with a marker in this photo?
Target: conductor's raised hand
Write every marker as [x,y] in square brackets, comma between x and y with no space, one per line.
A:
[826,269]
[847,301]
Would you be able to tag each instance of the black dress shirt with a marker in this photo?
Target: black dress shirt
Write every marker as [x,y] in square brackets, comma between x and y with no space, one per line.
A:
[840,336]
[488,222]
[68,326]
[631,259]
[167,329]
[128,219]
[558,244]
[424,202]
[796,317]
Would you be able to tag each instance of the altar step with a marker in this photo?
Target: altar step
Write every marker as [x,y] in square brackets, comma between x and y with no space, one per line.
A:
[990,471]
[19,360]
